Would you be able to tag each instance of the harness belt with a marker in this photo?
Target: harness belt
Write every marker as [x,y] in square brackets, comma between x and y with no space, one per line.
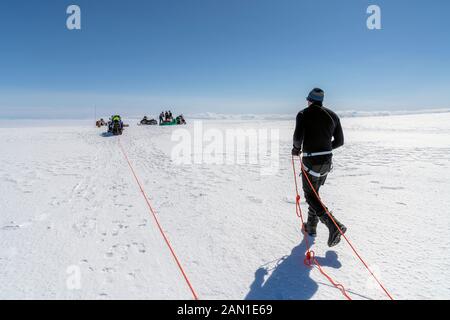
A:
[315,154]
[315,174]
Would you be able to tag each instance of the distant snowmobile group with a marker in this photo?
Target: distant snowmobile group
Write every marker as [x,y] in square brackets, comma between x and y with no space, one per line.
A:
[165,119]
[115,124]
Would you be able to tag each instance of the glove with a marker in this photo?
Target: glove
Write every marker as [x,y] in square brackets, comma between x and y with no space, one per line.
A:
[296,151]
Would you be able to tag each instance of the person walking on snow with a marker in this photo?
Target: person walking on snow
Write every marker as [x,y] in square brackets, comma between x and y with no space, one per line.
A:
[318,131]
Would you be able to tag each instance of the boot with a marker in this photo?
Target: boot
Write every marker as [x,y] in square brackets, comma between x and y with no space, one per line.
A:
[310,226]
[335,235]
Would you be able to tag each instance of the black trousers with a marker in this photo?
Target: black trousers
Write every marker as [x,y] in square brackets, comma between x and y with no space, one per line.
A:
[315,209]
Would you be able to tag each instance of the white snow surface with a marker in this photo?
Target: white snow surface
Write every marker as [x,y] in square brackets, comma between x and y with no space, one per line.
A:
[68,201]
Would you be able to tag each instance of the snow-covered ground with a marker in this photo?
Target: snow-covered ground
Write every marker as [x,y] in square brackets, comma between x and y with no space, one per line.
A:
[70,204]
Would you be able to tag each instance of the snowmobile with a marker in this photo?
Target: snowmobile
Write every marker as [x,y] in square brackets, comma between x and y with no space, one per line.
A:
[180,119]
[100,123]
[177,121]
[115,125]
[146,121]
[172,122]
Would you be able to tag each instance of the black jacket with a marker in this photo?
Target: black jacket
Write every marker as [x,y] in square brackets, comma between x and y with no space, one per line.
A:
[318,129]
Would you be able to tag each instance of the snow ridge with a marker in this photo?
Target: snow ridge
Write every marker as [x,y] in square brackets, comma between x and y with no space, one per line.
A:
[277,116]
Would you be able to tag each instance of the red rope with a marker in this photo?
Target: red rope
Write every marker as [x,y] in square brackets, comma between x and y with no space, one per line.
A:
[194,294]
[343,235]
[310,259]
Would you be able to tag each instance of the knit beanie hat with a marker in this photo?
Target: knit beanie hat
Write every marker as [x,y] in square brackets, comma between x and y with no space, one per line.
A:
[316,95]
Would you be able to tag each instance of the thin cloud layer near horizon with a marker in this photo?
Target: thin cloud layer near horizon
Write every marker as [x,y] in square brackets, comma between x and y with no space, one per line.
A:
[194,56]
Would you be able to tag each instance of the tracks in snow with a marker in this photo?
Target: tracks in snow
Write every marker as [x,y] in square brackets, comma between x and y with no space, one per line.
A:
[128,233]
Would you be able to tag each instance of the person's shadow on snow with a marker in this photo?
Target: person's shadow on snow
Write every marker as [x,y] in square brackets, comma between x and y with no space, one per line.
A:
[290,279]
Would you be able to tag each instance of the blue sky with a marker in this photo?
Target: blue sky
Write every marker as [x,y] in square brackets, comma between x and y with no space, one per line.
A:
[227,56]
